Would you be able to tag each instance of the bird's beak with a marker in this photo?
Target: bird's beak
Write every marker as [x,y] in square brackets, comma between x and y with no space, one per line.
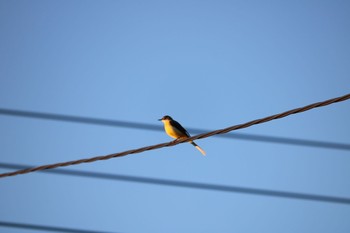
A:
[159,119]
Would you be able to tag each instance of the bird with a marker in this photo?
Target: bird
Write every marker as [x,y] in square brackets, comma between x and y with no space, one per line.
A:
[175,130]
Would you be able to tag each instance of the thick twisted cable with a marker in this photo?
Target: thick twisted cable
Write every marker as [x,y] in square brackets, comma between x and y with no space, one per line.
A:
[199,136]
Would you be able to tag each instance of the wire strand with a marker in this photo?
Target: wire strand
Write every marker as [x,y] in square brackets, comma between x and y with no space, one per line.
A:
[144,126]
[190,184]
[45,228]
[173,143]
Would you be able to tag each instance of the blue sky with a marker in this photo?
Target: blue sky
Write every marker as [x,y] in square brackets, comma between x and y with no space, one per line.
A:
[208,64]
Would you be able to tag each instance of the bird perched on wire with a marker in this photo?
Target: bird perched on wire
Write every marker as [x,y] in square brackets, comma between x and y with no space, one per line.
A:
[175,130]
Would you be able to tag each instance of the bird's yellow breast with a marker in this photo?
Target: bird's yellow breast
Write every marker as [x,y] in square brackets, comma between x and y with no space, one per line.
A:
[172,131]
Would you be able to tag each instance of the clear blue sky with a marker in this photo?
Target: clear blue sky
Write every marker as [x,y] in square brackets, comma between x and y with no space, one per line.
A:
[208,64]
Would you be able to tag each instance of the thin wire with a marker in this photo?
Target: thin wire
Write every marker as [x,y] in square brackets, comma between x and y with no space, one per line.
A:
[45,228]
[192,185]
[144,126]
[173,143]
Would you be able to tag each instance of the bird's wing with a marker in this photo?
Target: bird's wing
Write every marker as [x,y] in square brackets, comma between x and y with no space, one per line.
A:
[179,127]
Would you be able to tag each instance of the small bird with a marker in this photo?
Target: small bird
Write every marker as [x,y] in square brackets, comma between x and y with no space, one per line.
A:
[175,130]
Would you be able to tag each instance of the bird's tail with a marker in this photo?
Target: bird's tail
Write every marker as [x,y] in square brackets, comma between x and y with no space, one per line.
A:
[198,148]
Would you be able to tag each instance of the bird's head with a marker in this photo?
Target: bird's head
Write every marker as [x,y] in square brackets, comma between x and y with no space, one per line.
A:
[166,118]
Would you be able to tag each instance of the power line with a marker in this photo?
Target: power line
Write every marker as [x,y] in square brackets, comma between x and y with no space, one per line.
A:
[153,127]
[45,228]
[173,143]
[78,119]
[186,184]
